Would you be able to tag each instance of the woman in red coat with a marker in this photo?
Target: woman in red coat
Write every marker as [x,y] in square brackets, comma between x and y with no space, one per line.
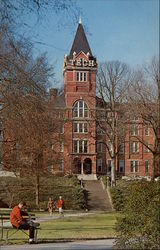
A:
[60,205]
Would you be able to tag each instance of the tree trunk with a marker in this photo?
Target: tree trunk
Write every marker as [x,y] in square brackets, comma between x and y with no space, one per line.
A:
[37,190]
[113,173]
[155,166]
[153,169]
[158,157]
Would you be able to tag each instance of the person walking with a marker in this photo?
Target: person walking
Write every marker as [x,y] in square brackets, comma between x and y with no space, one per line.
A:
[60,206]
[50,206]
[17,220]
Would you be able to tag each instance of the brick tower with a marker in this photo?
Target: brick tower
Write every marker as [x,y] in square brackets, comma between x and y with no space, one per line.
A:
[79,72]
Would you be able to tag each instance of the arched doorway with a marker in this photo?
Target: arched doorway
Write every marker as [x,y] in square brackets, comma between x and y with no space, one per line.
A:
[76,168]
[87,166]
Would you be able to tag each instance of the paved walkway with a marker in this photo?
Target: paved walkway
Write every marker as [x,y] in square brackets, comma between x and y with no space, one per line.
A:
[56,216]
[77,245]
[66,215]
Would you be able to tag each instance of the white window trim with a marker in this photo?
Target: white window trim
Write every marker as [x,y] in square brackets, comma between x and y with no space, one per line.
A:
[134,166]
[78,110]
[121,150]
[134,149]
[78,130]
[61,129]
[80,74]
[147,166]
[61,146]
[78,146]
[133,130]
[110,146]
[109,165]
[146,150]
[99,146]
[121,165]
[146,127]
[99,164]
[61,161]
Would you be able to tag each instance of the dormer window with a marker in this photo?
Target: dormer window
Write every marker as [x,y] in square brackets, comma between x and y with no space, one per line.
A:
[81,76]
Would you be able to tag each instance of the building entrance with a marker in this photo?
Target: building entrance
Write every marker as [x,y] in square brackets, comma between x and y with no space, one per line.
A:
[87,166]
[76,166]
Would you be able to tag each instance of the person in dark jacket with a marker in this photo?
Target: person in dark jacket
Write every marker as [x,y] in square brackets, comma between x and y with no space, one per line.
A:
[17,220]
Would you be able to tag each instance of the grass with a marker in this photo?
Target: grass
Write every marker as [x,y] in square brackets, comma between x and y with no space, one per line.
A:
[93,226]
[71,228]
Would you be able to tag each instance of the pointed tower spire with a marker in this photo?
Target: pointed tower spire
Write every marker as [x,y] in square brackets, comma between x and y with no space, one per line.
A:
[80,20]
[80,42]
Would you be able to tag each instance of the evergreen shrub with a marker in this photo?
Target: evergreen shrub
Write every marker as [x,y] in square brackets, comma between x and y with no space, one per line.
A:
[78,198]
[13,190]
[139,225]
[117,198]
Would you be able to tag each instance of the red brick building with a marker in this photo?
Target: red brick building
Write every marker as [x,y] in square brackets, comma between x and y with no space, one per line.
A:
[79,149]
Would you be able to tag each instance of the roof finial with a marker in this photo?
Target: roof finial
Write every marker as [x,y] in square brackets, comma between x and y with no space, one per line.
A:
[80,20]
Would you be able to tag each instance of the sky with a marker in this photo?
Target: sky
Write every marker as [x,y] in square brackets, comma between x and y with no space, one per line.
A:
[124,30]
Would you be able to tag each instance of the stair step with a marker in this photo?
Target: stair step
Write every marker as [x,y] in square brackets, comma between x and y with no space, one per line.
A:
[97,197]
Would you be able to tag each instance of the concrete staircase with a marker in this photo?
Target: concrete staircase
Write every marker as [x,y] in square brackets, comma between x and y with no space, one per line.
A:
[97,198]
[87,177]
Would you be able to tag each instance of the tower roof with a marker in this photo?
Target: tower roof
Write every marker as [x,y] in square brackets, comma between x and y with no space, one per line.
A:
[80,42]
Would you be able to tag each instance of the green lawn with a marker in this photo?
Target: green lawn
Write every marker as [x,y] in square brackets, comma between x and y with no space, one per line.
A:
[91,226]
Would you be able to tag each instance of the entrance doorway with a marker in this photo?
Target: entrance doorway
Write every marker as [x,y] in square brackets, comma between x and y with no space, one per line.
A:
[87,166]
[76,166]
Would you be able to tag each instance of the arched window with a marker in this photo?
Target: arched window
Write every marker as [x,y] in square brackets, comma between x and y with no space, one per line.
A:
[80,109]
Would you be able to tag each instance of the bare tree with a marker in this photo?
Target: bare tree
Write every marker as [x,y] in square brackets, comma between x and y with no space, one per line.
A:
[24,114]
[112,84]
[24,80]
[27,150]
[144,102]
[13,12]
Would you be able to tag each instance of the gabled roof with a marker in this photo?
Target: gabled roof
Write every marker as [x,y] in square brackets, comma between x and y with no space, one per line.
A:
[60,101]
[80,42]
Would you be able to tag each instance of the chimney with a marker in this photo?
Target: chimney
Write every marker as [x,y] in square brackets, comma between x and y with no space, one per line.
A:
[53,94]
